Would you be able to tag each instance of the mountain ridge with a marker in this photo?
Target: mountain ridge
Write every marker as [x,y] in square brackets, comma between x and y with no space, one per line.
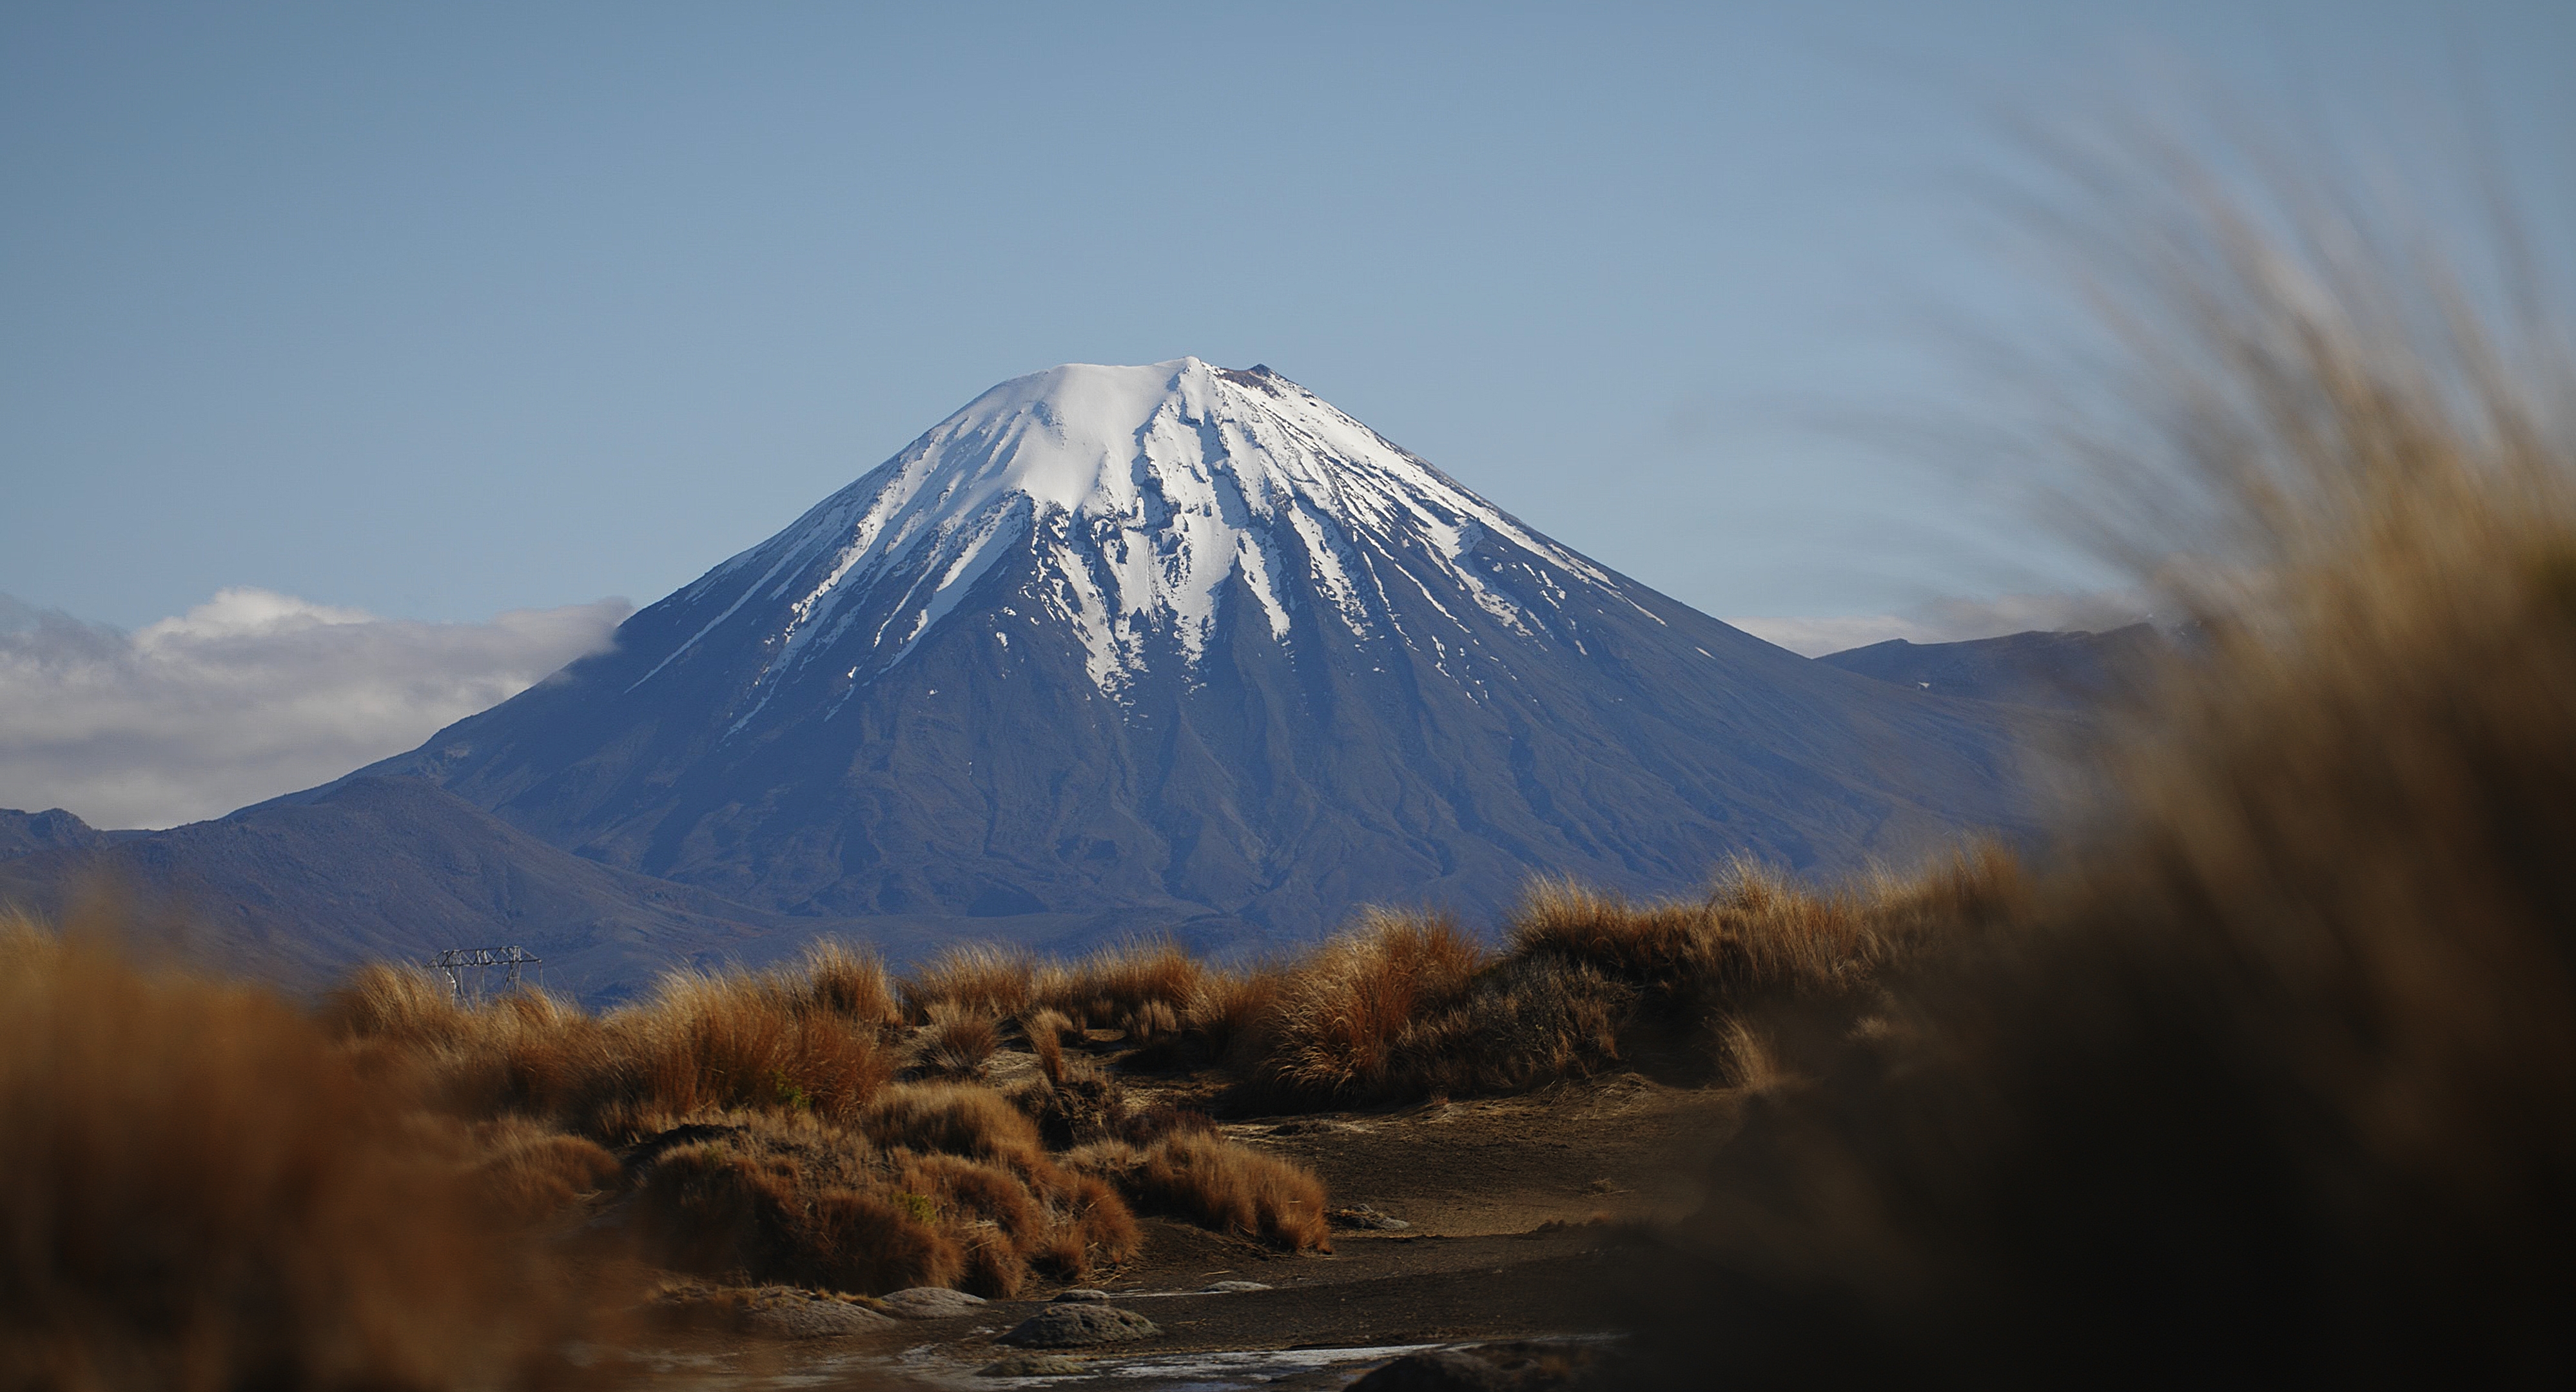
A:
[2067,669]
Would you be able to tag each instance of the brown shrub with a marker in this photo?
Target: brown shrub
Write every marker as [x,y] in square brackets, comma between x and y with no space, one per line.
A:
[1230,1010]
[953,1119]
[992,981]
[1045,1030]
[1757,936]
[1116,986]
[203,1192]
[537,1172]
[1155,1120]
[401,1005]
[1345,1014]
[778,1041]
[838,980]
[1224,1186]
[1100,1228]
[1083,1104]
[793,1204]
[992,1213]
[1526,1020]
[715,1043]
[1153,1022]
[2276,1072]
[798,1200]
[957,1040]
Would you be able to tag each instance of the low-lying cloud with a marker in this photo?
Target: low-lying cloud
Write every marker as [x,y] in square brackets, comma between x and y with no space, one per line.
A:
[1950,621]
[247,696]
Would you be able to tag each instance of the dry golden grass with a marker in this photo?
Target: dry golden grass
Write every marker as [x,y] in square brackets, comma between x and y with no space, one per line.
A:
[1137,984]
[941,1185]
[2275,1071]
[202,1192]
[1213,1182]
[957,1040]
[536,1171]
[819,1039]
[1227,1009]
[1407,1006]
[1757,934]
[993,981]
[804,1161]
[955,1119]
[1348,1015]
[1045,1031]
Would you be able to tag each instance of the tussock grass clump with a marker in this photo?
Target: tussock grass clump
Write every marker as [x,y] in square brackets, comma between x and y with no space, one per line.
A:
[957,1120]
[1758,935]
[536,1171]
[938,1185]
[1136,986]
[957,1041]
[1045,1031]
[1227,1010]
[818,1039]
[1409,1007]
[761,1113]
[204,1192]
[1231,1188]
[2276,1071]
[988,980]
[1350,1017]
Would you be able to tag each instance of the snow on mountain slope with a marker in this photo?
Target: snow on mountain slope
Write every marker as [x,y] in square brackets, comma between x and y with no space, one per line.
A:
[1142,490]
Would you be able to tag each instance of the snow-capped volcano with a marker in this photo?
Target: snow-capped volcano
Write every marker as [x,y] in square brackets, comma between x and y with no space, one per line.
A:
[1185,645]
[1141,492]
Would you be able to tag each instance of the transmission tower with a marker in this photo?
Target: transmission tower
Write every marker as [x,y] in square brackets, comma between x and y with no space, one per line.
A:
[457,961]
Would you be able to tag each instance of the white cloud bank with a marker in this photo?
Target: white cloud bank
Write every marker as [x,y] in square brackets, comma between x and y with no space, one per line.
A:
[1950,621]
[247,696]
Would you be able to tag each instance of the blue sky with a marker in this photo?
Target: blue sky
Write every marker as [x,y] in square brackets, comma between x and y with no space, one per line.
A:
[436,311]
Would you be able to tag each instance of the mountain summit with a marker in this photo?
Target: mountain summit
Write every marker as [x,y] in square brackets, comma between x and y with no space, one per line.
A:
[1188,644]
[1143,497]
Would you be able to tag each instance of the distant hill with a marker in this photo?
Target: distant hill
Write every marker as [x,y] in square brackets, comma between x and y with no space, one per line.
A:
[25,833]
[2065,670]
[396,869]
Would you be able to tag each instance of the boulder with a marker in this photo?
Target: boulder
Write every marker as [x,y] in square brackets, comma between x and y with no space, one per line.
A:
[804,1316]
[1078,1325]
[931,1302]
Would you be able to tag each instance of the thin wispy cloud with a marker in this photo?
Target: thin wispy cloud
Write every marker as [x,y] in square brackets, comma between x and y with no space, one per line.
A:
[246,696]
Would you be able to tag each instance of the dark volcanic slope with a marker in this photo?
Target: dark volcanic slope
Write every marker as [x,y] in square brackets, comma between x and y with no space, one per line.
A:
[394,868]
[25,833]
[1192,643]
[2069,670]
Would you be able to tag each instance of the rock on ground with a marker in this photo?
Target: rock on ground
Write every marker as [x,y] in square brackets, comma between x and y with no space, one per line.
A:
[1072,1326]
[931,1302]
[810,1319]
